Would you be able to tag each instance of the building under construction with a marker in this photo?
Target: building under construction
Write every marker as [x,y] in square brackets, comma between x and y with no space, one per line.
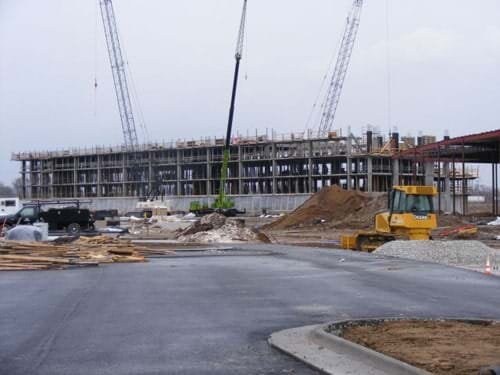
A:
[291,164]
[259,165]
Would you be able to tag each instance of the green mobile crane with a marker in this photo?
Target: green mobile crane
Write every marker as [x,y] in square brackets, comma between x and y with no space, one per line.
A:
[222,202]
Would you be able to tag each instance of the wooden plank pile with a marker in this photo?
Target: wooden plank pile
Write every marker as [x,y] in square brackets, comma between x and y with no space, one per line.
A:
[85,251]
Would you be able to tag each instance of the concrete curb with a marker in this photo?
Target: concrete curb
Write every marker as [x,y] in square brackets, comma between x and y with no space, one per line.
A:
[333,355]
[382,361]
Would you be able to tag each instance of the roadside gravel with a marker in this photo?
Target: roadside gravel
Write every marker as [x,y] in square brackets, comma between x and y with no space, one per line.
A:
[469,254]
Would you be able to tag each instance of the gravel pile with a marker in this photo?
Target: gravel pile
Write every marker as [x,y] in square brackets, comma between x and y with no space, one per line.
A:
[455,253]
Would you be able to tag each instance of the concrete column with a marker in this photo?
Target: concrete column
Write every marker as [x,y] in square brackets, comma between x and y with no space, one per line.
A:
[429,173]
[209,174]
[240,171]
[124,173]
[395,172]
[99,187]
[179,172]
[273,157]
[49,176]
[151,177]
[75,177]
[310,161]
[349,161]
[348,172]
[23,179]
[369,174]
[446,193]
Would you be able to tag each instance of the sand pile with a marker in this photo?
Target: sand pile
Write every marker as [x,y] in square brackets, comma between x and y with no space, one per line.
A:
[334,207]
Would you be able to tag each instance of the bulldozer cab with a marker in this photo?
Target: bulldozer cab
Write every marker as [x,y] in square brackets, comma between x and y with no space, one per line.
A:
[417,200]
[410,216]
[411,212]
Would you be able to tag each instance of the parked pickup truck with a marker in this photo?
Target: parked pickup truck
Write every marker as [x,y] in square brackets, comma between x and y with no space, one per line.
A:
[71,219]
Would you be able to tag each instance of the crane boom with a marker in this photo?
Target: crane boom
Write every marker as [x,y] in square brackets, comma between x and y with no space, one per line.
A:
[238,55]
[119,74]
[344,57]
[221,201]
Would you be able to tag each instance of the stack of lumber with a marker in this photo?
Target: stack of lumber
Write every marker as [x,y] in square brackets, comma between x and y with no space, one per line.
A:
[117,247]
[86,251]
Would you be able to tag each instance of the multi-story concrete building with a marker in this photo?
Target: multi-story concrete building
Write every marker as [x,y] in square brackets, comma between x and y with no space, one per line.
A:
[276,172]
[260,165]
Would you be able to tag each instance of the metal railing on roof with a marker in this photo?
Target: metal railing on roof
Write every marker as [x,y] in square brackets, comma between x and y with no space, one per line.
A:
[179,144]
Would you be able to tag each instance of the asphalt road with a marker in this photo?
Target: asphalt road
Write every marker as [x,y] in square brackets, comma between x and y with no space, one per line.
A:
[212,315]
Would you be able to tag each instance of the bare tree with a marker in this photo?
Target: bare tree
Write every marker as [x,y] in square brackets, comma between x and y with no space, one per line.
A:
[17,185]
[6,191]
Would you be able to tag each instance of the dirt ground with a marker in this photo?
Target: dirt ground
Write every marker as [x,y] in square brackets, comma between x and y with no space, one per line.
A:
[438,347]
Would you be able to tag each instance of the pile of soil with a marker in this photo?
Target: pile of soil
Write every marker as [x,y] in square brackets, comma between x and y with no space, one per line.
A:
[334,207]
[440,347]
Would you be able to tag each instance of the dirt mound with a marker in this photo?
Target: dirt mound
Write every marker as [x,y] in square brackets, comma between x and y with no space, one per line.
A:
[334,207]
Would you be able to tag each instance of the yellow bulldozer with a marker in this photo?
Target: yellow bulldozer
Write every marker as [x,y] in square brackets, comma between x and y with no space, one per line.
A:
[411,216]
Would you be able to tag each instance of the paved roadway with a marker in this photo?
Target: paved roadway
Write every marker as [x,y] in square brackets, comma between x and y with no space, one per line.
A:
[212,315]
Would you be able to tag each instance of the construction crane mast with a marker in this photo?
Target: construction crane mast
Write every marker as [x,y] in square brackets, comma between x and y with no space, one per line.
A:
[119,75]
[344,56]
[222,201]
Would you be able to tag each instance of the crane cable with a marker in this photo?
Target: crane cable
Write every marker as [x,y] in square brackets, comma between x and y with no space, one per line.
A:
[388,61]
[135,95]
[320,91]
[328,71]
[95,59]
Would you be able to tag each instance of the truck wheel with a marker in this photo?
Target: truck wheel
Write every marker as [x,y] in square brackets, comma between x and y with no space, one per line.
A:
[73,228]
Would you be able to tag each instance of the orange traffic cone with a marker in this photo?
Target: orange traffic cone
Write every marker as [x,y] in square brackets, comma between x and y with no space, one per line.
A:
[487,270]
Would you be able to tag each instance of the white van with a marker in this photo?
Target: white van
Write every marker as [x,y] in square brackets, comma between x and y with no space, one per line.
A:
[9,206]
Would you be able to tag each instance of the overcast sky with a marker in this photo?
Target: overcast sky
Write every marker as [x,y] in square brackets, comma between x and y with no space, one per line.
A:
[444,68]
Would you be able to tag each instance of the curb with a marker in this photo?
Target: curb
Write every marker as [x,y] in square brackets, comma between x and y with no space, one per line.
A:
[333,355]
[388,364]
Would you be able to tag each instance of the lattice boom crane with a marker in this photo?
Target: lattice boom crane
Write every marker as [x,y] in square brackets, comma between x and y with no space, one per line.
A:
[344,57]
[119,74]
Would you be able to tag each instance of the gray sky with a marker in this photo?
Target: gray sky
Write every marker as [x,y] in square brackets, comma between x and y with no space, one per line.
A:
[445,58]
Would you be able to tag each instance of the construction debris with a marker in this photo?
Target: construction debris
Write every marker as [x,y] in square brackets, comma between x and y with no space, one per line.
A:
[217,228]
[495,222]
[464,231]
[85,251]
[334,207]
